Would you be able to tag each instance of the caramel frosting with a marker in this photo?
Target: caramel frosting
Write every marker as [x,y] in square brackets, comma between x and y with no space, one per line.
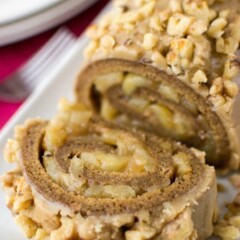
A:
[177,59]
[82,177]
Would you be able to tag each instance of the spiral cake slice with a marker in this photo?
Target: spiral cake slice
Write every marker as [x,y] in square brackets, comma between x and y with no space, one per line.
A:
[80,177]
[169,67]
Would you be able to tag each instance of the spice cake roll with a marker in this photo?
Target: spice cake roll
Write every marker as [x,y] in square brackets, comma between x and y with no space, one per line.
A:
[169,67]
[83,178]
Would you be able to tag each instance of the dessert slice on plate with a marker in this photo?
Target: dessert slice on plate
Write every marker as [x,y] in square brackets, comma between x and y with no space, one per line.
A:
[80,177]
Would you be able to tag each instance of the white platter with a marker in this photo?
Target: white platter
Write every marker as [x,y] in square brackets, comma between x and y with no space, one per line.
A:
[42,103]
[26,24]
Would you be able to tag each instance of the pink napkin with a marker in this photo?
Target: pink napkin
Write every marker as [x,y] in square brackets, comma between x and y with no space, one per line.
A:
[12,56]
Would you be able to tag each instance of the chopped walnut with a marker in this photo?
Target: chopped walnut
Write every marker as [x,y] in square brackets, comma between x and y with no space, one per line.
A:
[107,42]
[86,227]
[229,43]
[175,5]
[180,55]
[181,228]
[178,25]
[28,226]
[20,195]
[90,49]
[41,234]
[140,231]
[230,88]
[11,151]
[231,68]
[235,221]
[226,46]
[218,100]
[217,87]
[125,52]
[199,77]
[202,50]
[147,9]
[159,60]
[150,40]
[235,180]
[227,232]
[197,28]
[199,9]
[156,24]
[216,28]
[66,231]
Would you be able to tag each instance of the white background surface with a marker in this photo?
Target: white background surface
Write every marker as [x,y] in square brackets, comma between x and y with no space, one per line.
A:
[42,103]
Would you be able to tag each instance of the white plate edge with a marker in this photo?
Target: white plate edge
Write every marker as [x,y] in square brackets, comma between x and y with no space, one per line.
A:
[42,21]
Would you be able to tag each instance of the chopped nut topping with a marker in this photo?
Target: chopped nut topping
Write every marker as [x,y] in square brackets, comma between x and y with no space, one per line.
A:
[180,37]
[235,180]
[178,25]
[11,151]
[216,28]
[27,225]
[199,77]
[217,87]
[107,41]
[181,228]
[180,55]
[150,41]
[227,232]
[231,88]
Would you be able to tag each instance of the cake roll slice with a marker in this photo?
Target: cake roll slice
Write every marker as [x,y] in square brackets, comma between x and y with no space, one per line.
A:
[80,177]
[169,67]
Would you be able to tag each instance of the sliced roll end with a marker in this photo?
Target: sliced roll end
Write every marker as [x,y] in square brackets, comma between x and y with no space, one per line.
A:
[81,177]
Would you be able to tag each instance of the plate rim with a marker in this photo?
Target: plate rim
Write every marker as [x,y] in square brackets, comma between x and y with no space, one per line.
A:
[42,21]
[30,13]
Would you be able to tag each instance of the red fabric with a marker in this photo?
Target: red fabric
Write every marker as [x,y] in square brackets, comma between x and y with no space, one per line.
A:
[12,56]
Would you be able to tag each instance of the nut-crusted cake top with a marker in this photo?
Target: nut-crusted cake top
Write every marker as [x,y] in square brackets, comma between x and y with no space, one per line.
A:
[193,39]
